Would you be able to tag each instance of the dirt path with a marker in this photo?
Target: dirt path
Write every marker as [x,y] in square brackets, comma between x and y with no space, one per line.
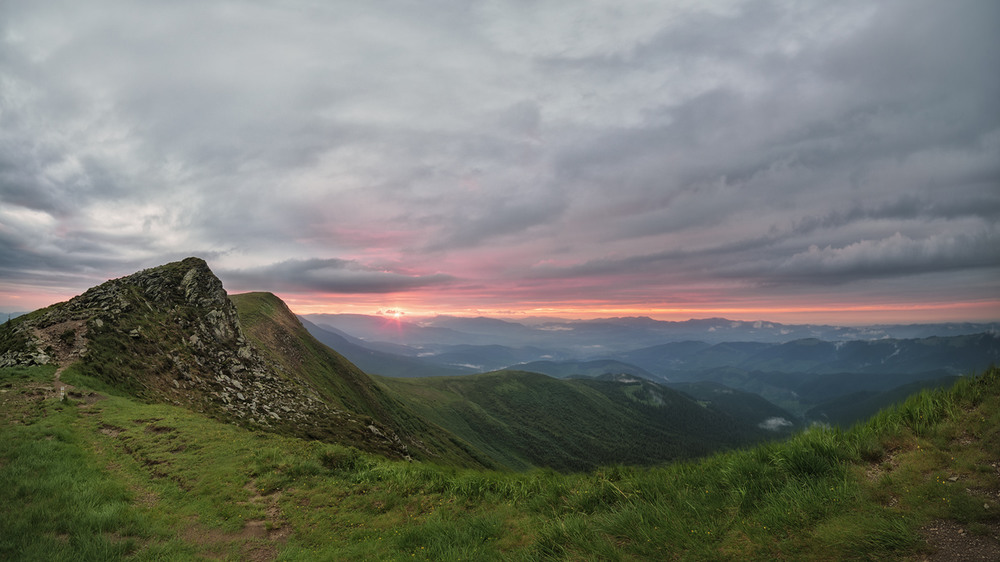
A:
[59,389]
[258,541]
[63,391]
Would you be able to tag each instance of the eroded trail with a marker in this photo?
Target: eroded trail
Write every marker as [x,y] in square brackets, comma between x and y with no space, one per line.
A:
[66,342]
[59,389]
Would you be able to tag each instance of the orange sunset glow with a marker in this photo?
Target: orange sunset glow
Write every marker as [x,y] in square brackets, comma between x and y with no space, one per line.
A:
[838,314]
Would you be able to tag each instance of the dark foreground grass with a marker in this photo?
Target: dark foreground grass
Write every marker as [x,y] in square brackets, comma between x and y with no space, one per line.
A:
[123,480]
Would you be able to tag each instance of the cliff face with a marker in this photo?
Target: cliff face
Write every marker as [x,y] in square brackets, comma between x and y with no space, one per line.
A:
[172,334]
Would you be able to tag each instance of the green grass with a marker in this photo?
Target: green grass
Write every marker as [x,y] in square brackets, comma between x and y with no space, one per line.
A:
[65,507]
[524,420]
[119,479]
[21,374]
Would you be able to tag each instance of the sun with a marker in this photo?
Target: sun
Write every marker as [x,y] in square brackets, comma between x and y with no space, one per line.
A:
[394,314]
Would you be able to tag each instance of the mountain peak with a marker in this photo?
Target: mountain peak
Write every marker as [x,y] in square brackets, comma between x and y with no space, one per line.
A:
[187,282]
[172,334]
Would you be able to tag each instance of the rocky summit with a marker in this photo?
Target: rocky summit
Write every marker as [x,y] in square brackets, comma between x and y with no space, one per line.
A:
[172,334]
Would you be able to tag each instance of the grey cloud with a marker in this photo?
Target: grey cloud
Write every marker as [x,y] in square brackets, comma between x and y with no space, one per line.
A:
[780,150]
[907,207]
[508,213]
[771,260]
[894,256]
[915,48]
[677,143]
[522,119]
[327,275]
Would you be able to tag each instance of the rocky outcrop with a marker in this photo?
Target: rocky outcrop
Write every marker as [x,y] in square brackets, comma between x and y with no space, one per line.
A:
[172,334]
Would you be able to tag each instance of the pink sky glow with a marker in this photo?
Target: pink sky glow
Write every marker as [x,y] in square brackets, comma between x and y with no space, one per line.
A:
[816,162]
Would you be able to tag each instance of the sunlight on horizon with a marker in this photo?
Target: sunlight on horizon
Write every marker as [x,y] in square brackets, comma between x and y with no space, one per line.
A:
[843,314]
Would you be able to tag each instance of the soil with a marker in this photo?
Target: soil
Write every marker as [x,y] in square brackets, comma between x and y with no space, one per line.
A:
[258,540]
[951,542]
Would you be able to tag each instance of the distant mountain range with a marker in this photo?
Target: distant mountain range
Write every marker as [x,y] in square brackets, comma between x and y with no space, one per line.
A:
[811,377]
[953,355]
[465,345]
[611,335]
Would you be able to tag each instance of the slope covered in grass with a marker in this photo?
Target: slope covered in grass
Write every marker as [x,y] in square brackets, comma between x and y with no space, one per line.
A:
[118,479]
[525,420]
[274,329]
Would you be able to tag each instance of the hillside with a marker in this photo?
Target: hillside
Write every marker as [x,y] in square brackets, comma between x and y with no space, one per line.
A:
[275,330]
[525,420]
[421,360]
[171,334]
[564,369]
[746,407]
[95,478]
[809,377]
[849,409]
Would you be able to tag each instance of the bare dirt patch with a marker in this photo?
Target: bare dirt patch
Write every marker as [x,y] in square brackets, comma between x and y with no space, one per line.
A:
[144,497]
[260,553]
[274,523]
[110,430]
[888,465]
[66,341]
[158,429]
[257,541]
[951,542]
[84,399]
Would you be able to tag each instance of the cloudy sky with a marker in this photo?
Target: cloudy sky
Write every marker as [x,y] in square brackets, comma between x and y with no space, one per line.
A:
[783,160]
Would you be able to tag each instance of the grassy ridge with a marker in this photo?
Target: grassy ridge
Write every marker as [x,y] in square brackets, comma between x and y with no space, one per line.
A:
[275,330]
[526,420]
[118,479]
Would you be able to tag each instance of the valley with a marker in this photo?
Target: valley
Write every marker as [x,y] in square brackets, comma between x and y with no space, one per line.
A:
[809,377]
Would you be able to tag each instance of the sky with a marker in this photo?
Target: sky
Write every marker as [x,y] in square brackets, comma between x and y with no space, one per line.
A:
[791,161]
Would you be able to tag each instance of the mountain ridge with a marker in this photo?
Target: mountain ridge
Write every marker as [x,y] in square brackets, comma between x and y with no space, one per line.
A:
[172,334]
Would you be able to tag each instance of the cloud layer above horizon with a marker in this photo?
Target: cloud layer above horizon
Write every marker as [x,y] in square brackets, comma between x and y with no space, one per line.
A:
[509,156]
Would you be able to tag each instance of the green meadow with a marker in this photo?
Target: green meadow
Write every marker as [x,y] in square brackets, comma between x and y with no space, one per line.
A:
[96,477]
